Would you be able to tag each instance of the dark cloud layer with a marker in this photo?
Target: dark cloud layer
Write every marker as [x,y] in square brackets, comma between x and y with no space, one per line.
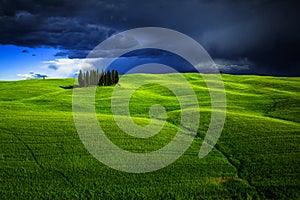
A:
[264,33]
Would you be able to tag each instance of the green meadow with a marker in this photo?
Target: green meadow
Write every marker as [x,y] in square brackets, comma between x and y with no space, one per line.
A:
[256,156]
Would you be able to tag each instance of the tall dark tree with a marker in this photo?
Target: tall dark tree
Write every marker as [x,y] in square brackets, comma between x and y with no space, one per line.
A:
[95,81]
[97,77]
[80,79]
[87,78]
[101,79]
[116,77]
[104,79]
[90,77]
[108,78]
[113,77]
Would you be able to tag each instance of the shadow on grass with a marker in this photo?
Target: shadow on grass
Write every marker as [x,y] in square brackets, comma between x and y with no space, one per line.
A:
[69,87]
[77,86]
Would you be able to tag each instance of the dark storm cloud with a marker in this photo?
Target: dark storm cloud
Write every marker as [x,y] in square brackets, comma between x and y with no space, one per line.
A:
[61,53]
[61,24]
[264,33]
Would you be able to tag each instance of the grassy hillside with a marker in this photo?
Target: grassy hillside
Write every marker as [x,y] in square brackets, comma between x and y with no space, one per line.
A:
[257,155]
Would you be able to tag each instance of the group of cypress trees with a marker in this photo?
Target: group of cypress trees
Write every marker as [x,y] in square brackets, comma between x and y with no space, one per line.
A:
[94,77]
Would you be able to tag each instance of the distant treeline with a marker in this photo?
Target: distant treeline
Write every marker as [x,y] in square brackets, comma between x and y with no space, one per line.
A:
[94,77]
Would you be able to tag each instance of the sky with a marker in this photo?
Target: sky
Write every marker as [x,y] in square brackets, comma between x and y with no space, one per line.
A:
[53,37]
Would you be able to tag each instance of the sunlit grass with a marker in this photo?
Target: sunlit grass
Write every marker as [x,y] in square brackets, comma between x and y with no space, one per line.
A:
[257,155]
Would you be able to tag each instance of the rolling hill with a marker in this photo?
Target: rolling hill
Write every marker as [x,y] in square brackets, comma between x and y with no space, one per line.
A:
[256,157]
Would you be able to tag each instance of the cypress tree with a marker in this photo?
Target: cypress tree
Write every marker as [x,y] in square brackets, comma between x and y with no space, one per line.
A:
[116,77]
[97,77]
[93,77]
[108,78]
[112,77]
[87,78]
[104,79]
[101,79]
[80,79]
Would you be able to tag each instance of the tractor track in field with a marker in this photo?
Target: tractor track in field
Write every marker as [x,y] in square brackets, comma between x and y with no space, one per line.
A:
[273,106]
[238,168]
[63,175]
[30,151]
[39,164]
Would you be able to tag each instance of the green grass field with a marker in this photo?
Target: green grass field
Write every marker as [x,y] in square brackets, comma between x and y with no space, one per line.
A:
[256,157]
